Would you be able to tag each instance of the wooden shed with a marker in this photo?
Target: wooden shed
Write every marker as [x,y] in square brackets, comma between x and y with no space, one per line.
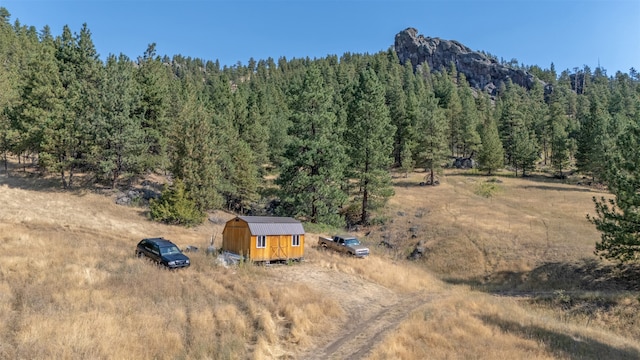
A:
[264,238]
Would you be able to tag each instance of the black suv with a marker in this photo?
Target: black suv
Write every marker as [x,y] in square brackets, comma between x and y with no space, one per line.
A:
[163,252]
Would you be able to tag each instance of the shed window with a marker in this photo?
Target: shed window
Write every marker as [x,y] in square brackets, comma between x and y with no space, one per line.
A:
[295,240]
[261,241]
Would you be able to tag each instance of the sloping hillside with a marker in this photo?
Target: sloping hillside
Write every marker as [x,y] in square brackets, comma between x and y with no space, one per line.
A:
[71,288]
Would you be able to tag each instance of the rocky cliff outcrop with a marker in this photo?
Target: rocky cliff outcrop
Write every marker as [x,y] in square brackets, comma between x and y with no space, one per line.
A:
[481,71]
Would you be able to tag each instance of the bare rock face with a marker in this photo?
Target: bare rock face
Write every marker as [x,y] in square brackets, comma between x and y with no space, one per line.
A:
[481,71]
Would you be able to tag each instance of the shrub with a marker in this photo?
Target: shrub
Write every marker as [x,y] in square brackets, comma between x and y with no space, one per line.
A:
[487,189]
[175,207]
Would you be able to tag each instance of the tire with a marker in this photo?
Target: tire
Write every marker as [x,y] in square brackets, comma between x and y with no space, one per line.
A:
[139,255]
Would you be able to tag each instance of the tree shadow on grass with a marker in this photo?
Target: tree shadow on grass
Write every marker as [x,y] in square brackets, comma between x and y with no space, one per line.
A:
[551,182]
[408,183]
[556,188]
[29,178]
[566,346]
[582,275]
[30,181]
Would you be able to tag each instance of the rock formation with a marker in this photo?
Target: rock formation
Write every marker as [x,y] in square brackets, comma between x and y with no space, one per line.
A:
[481,71]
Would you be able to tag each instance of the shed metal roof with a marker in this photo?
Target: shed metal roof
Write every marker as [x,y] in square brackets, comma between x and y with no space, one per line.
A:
[273,225]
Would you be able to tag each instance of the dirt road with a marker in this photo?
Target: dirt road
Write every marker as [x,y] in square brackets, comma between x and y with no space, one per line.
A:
[372,309]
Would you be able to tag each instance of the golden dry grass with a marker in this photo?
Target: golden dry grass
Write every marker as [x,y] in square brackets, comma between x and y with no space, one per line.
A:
[530,238]
[471,325]
[528,222]
[70,287]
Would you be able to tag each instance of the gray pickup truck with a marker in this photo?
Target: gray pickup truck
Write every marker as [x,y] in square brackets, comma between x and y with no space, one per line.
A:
[344,243]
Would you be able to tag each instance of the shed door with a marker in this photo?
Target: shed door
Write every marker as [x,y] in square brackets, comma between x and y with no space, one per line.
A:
[279,247]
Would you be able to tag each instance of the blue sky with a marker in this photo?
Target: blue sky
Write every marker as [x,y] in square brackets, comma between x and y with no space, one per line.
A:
[569,33]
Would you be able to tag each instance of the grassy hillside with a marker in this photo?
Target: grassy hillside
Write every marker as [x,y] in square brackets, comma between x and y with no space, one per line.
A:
[513,228]
[507,276]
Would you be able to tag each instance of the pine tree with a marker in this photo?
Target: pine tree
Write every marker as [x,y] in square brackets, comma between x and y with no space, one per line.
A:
[39,115]
[559,140]
[409,137]
[8,136]
[470,138]
[119,146]
[80,75]
[491,155]
[195,153]
[9,96]
[311,179]
[617,219]
[525,150]
[432,132]
[510,117]
[259,111]
[446,91]
[244,178]
[370,139]
[536,117]
[152,77]
[594,138]
[397,101]
[252,124]
[407,161]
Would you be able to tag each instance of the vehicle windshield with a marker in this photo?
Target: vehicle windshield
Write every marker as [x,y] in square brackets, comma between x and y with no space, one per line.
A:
[170,250]
[352,241]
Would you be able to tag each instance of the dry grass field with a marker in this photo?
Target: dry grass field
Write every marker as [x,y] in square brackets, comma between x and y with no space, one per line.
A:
[523,224]
[509,276]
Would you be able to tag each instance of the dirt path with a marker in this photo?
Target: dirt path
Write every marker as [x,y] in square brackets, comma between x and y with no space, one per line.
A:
[362,335]
[372,309]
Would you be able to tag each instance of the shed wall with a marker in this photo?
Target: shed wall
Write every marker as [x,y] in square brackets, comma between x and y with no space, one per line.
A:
[278,247]
[237,238]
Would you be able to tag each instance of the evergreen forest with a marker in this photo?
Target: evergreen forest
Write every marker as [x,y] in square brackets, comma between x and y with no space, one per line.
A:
[315,139]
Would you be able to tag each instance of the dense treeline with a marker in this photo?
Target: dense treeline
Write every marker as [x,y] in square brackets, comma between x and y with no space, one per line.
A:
[329,129]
